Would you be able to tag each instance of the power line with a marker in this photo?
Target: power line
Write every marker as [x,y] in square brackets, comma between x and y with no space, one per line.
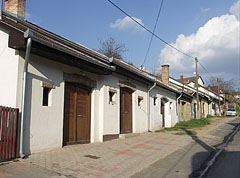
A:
[207,70]
[150,30]
[150,43]
[153,34]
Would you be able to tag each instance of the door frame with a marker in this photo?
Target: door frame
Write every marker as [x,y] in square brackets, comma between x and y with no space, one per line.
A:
[75,112]
[131,115]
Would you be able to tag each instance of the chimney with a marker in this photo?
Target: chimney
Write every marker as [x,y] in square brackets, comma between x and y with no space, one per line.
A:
[181,79]
[142,67]
[165,74]
[16,7]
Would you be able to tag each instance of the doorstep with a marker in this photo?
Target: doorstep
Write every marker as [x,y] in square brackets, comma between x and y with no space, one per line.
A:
[128,135]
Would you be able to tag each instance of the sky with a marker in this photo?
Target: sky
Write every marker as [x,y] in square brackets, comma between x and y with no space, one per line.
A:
[208,30]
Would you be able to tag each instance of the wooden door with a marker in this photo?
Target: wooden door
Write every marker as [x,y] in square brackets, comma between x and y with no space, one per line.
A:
[125,110]
[76,114]
[163,114]
[195,110]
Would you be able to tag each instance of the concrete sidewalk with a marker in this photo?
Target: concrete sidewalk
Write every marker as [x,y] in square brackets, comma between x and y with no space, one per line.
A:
[117,158]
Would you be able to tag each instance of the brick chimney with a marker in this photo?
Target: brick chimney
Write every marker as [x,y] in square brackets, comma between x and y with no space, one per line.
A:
[181,79]
[165,74]
[16,7]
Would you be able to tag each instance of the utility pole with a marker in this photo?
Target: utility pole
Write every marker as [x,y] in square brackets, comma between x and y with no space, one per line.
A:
[219,97]
[198,114]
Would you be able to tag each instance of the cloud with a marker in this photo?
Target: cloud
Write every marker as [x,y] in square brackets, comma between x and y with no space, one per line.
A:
[127,24]
[216,44]
[235,9]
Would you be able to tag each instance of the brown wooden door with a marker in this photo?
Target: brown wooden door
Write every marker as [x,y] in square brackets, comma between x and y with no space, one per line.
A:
[163,114]
[76,114]
[125,110]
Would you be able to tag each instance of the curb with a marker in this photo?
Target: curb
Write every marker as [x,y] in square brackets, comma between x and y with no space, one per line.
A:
[212,161]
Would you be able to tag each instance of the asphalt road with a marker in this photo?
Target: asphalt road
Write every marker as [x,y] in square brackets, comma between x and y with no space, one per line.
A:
[190,160]
[228,164]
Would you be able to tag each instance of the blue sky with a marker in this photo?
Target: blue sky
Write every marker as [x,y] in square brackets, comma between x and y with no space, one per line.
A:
[89,21]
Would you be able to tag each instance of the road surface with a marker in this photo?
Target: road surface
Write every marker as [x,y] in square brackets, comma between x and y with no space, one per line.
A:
[191,159]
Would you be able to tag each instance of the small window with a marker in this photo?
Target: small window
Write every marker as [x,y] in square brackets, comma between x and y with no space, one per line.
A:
[171,106]
[140,99]
[46,93]
[112,94]
[46,97]
[155,101]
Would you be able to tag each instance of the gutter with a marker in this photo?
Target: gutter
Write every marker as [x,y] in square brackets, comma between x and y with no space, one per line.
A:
[114,61]
[148,105]
[24,91]
[29,34]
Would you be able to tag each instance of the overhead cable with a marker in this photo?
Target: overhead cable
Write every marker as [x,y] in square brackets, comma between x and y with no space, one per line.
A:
[149,30]
[205,69]
[150,43]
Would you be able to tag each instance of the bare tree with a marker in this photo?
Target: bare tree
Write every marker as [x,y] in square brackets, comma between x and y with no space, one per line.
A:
[156,71]
[227,86]
[111,48]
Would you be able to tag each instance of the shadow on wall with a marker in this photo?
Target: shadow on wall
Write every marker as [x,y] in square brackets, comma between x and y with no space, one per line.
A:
[27,120]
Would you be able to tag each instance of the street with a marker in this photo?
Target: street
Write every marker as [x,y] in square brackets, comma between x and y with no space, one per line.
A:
[190,160]
[228,164]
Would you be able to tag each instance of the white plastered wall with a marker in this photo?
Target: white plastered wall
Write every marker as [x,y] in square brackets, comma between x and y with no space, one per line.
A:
[171,117]
[44,124]
[140,115]
[8,72]
[111,112]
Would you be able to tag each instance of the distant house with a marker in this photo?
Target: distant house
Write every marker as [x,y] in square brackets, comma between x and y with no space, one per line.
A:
[209,99]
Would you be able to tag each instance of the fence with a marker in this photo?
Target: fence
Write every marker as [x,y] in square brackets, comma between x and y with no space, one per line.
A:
[9,118]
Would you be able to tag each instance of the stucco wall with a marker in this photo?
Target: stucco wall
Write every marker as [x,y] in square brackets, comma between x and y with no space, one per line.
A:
[44,124]
[171,117]
[8,72]
[140,116]
[204,107]
[111,111]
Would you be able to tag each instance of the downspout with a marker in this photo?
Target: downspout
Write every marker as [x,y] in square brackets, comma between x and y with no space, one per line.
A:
[1,6]
[148,95]
[25,70]
[177,101]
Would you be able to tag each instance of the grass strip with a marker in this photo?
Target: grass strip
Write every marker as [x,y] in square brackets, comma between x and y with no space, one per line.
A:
[193,123]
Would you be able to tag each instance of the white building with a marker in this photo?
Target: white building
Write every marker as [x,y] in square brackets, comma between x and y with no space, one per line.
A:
[68,93]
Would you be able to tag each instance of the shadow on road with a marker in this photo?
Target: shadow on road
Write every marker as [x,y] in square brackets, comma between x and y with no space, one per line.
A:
[228,165]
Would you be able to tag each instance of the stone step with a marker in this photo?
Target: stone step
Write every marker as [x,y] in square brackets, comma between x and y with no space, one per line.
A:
[128,135]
